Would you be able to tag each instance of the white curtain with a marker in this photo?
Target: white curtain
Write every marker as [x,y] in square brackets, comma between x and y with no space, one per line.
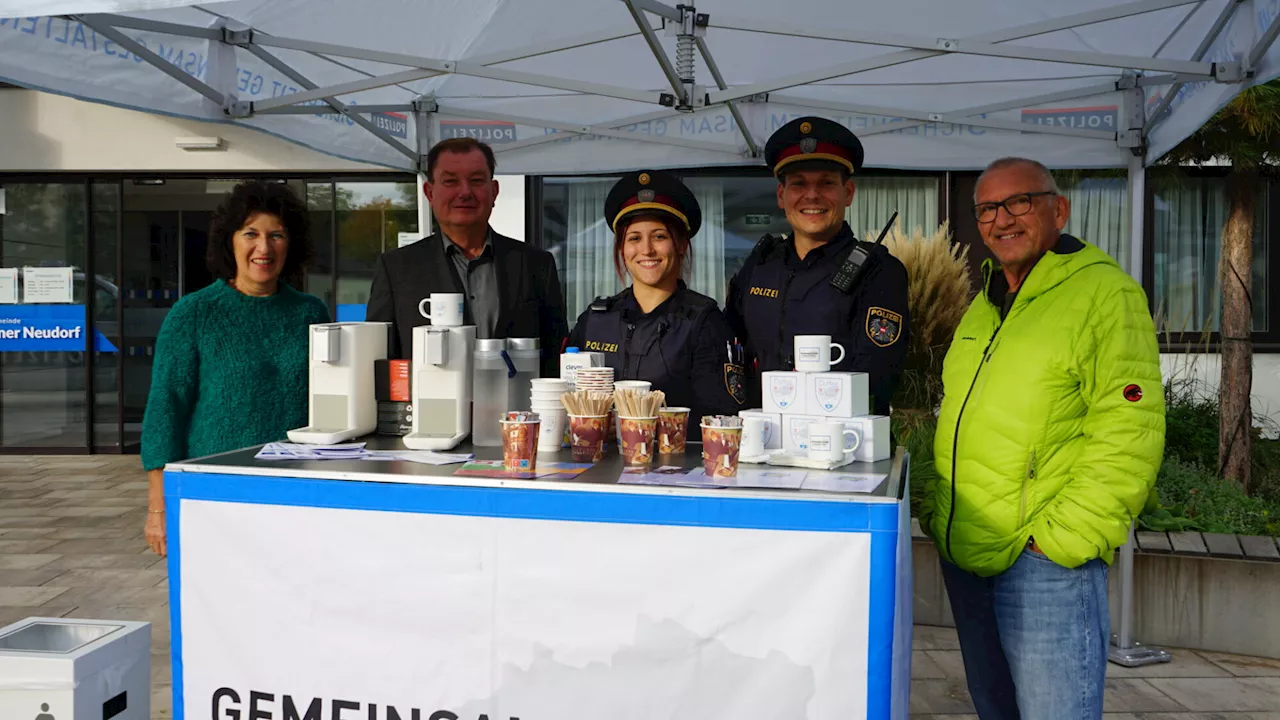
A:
[706,272]
[1099,214]
[876,198]
[588,252]
[1188,219]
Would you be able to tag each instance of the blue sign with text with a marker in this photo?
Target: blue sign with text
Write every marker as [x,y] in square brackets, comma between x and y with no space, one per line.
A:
[48,328]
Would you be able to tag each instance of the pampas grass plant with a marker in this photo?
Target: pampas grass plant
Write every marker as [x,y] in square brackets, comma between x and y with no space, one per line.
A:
[938,293]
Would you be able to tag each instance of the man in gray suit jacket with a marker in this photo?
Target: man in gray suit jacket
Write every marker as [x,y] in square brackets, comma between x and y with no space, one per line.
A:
[510,288]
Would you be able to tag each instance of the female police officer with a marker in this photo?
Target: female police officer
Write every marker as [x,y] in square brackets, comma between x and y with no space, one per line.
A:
[658,329]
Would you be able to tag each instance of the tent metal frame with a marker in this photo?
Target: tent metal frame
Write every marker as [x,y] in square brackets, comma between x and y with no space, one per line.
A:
[1132,73]
[684,96]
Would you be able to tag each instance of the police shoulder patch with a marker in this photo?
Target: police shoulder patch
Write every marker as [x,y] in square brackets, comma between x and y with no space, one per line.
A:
[884,327]
[734,382]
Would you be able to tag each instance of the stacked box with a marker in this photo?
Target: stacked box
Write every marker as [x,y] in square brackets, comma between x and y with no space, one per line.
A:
[792,400]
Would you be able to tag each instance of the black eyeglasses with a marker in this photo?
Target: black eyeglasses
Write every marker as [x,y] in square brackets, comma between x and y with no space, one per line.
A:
[1015,205]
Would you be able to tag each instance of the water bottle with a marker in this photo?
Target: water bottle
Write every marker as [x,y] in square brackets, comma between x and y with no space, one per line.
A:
[526,357]
[491,395]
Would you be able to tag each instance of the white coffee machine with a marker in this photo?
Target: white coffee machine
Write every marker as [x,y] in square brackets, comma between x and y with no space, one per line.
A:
[341,395]
[441,386]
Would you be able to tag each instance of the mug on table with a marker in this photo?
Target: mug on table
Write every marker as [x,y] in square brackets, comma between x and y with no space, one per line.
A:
[829,441]
[813,353]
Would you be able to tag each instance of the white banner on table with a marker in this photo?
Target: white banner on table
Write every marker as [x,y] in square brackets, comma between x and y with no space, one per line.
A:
[47,285]
[443,616]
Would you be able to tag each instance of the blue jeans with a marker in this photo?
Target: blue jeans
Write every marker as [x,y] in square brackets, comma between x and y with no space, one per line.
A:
[1034,638]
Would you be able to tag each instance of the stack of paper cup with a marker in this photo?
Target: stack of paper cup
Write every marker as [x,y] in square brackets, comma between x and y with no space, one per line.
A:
[546,394]
[599,379]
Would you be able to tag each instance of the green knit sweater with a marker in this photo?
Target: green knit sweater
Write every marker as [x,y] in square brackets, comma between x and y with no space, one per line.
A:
[230,371]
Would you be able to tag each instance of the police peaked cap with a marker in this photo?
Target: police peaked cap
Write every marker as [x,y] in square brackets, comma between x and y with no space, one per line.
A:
[653,192]
[813,142]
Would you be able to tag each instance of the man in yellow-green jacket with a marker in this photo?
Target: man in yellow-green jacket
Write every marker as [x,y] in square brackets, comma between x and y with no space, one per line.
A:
[1049,439]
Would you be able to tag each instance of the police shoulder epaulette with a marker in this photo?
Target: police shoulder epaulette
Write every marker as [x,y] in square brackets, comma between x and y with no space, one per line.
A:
[765,246]
[601,304]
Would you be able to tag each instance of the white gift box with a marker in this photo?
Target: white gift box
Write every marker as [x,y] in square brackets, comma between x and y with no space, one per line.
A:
[795,433]
[875,437]
[74,669]
[784,392]
[838,394]
[772,427]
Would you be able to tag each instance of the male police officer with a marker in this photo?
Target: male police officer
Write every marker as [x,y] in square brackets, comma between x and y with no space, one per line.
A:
[784,288]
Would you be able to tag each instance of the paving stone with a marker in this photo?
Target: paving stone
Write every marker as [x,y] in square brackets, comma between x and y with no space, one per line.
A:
[1185,663]
[1154,542]
[10,615]
[950,662]
[87,512]
[103,533]
[1223,694]
[940,696]
[1188,543]
[1259,548]
[161,702]
[113,596]
[928,637]
[1223,546]
[25,547]
[28,596]
[24,533]
[1243,665]
[1136,695]
[26,562]
[112,578]
[28,578]
[97,547]
[923,667]
[131,561]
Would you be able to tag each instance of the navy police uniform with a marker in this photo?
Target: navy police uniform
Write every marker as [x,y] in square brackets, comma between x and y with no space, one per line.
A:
[776,295]
[683,346]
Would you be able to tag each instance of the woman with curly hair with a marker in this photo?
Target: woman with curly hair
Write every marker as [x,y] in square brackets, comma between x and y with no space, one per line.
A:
[231,359]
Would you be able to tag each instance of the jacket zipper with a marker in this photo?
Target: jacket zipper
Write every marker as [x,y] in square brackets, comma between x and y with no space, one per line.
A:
[955,441]
[626,351]
[1027,479]
[782,326]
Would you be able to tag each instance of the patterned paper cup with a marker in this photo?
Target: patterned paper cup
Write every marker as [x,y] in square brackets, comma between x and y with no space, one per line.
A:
[586,437]
[720,450]
[638,438]
[520,445]
[673,426]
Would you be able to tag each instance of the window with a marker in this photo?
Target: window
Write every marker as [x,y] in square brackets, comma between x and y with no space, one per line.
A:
[737,210]
[1187,219]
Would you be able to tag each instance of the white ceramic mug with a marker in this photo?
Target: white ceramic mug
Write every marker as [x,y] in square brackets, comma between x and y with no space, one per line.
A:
[813,353]
[753,436]
[829,441]
[446,309]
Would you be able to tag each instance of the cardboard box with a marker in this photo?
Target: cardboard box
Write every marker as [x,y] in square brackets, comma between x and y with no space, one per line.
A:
[75,669]
[784,392]
[391,381]
[875,437]
[772,427]
[795,432]
[838,394]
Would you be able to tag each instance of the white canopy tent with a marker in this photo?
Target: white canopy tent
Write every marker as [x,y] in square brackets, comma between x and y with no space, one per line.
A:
[583,86]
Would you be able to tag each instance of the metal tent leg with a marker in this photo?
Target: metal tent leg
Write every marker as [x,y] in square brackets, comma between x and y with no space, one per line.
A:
[1124,649]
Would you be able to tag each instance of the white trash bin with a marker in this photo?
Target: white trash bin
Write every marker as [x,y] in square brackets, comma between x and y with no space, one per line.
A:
[72,669]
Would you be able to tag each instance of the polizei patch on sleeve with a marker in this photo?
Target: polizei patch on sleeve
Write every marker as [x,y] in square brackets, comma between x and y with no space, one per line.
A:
[884,327]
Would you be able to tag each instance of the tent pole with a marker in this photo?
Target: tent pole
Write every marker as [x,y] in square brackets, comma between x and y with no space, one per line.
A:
[1124,649]
[1137,215]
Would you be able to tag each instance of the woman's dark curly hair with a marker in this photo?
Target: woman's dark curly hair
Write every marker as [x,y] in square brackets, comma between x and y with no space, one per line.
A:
[240,204]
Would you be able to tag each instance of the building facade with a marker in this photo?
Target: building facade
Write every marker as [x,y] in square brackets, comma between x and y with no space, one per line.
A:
[107,197]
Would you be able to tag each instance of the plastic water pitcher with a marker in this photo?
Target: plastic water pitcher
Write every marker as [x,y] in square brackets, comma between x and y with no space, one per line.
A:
[492,380]
[526,356]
